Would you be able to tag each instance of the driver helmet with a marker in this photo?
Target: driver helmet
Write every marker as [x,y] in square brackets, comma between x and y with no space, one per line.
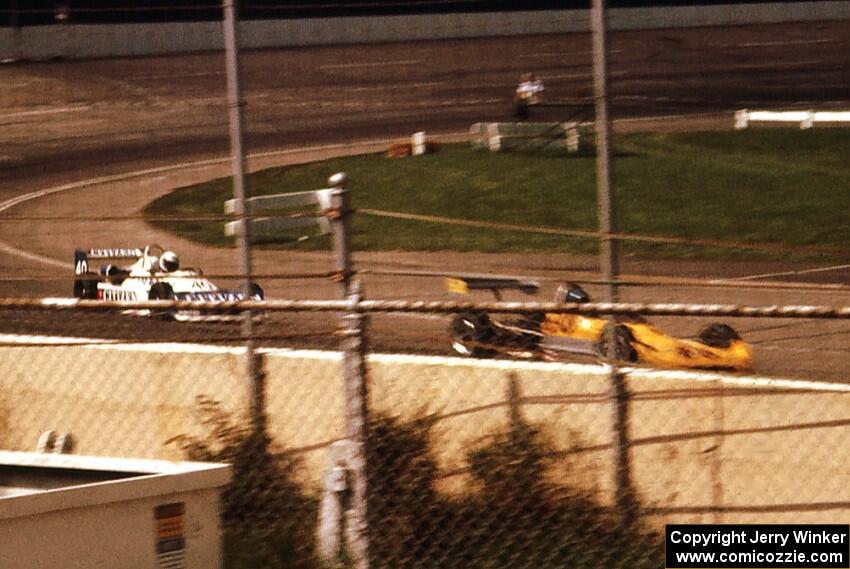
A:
[169,262]
[569,293]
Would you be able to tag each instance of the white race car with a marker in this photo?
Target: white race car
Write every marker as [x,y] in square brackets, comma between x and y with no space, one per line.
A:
[155,275]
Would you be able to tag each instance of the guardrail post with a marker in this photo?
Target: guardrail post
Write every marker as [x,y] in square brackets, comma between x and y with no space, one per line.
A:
[742,119]
[572,136]
[418,144]
[494,139]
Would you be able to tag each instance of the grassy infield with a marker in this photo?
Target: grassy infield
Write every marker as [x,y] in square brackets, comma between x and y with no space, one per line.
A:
[768,186]
[777,186]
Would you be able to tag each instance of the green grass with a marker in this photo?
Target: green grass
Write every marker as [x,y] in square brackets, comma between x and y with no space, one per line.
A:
[779,186]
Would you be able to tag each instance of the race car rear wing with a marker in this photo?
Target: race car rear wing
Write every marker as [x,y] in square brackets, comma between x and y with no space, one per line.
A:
[81,257]
[462,284]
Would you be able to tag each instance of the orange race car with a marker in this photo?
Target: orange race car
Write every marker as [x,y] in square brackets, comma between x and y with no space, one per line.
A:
[552,336]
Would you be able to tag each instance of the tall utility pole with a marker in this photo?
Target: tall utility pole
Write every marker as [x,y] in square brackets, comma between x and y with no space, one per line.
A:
[608,257]
[243,235]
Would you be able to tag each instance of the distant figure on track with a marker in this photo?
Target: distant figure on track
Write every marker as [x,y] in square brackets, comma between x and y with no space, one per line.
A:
[528,92]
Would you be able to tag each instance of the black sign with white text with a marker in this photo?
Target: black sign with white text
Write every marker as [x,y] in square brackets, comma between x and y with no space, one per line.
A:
[763,546]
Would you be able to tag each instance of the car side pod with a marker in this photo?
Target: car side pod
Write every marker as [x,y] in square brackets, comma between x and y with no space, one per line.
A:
[718,348]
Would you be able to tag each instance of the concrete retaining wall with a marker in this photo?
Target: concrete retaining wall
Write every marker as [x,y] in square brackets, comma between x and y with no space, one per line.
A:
[705,447]
[86,41]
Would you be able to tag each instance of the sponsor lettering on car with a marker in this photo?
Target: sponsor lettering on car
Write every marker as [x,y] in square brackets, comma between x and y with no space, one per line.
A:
[216,296]
[114,253]
[117,294]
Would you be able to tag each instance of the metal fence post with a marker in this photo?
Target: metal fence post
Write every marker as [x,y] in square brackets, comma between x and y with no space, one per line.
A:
[625,499]
[339,214]
[357,424]
[256,378]
[609,259]
[354,369]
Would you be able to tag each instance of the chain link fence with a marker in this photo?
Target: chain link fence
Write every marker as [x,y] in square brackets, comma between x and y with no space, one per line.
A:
[350,450]
[382,460]
[352,446]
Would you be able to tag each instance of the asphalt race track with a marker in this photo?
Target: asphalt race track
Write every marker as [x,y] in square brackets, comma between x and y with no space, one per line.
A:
[66,123]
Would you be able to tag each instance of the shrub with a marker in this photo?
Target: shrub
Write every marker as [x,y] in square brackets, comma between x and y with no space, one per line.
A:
[514,516]
[267,517]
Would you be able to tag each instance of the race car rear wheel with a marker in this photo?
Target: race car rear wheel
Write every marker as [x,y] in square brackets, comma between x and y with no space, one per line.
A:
[469,330]
[85,288]
[161,291]
[257,292]
[616,343]
[717,335]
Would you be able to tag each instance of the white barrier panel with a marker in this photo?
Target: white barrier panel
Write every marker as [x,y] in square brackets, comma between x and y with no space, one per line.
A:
[806,119]
[108,40]
[535,136]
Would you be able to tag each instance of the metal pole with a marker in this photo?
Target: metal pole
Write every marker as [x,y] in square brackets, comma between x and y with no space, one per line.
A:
[624,495]
[357,426]
[243,235]
[340,228]
[605,203]
[356,386]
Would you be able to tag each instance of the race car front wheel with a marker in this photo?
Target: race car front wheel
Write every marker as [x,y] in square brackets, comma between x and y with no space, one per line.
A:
[469,330]
[717,335]
[161,291]
[257,292]
[85,288]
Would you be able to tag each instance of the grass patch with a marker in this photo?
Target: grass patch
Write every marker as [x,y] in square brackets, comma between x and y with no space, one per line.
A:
[779,186]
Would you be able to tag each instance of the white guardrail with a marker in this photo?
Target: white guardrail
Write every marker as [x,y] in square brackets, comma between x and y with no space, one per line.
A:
[806,119]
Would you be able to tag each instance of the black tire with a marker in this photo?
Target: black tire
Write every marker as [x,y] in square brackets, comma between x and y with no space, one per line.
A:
[520,110]
[161,291]
[468,329]
[622,344]
[85,288]
[717,335]
[257,292]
